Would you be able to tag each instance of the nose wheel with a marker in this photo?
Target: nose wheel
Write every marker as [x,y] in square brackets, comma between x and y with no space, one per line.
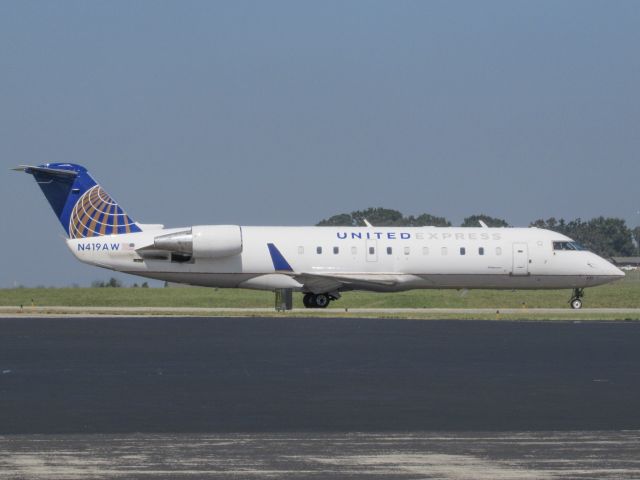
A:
[576,298]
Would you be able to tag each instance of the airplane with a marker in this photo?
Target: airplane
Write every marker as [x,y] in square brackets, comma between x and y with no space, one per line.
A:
[320,262]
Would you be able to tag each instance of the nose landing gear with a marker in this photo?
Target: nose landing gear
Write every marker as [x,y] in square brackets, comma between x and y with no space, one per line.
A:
[576,298]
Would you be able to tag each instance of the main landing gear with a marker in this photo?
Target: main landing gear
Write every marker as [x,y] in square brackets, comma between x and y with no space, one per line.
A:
[576,298]
[317,300]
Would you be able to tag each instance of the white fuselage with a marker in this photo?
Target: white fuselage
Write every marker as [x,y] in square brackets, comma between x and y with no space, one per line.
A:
[367,258]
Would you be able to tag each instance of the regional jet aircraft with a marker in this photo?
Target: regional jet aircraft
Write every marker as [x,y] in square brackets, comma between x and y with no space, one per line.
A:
[320,262]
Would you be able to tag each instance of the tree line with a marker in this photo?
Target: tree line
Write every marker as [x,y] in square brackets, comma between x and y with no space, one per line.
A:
[606,236]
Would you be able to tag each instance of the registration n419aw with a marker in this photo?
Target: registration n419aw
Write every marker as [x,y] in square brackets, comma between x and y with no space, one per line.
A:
[320,262]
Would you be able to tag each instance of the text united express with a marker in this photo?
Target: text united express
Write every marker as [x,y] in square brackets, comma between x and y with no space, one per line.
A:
[417,236]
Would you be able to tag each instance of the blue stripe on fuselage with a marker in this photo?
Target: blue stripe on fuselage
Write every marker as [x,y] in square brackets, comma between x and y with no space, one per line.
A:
[279,262]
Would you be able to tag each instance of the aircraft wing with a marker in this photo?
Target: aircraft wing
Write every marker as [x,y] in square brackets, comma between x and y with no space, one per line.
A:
[326,282]
[322,282]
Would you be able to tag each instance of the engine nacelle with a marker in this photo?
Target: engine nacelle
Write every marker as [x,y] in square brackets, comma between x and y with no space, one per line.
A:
[203,241]
[216,241]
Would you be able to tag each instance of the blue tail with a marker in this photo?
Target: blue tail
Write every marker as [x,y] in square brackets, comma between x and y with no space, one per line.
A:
[82,206]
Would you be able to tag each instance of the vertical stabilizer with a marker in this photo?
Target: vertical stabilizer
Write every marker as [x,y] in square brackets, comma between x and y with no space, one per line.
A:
[83,207]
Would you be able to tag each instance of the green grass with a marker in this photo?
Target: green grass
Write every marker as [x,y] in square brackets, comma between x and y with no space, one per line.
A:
[625,293]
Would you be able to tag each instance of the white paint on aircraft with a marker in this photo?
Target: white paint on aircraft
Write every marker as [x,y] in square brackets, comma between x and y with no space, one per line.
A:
[319,261]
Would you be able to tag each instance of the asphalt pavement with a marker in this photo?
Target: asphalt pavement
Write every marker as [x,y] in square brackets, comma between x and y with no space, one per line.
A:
[318,398]
[110,375]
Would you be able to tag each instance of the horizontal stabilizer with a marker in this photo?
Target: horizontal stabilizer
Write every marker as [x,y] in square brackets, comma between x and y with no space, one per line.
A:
[56,172]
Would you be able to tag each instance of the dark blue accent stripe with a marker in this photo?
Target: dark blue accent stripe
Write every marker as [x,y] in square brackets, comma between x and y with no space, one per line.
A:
[279,262]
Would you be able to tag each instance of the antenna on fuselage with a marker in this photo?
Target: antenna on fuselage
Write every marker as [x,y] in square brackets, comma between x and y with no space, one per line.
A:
[482,224]
[366,222]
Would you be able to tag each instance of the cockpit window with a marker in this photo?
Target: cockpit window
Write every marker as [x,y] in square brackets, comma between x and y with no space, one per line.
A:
[567,246]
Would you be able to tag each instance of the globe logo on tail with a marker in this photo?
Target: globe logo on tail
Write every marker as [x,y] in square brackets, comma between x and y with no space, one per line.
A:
[96,214]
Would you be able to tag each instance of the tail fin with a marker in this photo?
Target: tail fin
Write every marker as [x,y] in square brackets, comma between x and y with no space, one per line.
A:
[82,206]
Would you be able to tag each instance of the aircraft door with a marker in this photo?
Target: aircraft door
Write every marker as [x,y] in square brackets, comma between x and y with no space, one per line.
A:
[520,259]
[372,251]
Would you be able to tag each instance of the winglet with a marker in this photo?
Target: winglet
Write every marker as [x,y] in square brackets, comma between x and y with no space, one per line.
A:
[279,262]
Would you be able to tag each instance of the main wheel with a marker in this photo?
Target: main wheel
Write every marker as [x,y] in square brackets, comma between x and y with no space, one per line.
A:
[307,300]
[321,300]
[576,303]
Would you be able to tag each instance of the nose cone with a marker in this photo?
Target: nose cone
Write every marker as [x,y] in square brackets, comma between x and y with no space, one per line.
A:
[601,271]
[614,271]
[607,271]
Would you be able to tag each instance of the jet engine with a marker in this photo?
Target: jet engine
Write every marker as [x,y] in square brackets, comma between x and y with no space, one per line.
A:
[205,241]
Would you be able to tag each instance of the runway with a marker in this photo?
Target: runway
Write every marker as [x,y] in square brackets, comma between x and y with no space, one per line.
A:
[332,456]
[87,381]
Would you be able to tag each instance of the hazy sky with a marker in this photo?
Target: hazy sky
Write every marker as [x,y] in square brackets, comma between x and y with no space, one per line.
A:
[284,113]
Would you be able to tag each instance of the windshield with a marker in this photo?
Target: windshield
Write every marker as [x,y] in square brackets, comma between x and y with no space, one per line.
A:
[567,246]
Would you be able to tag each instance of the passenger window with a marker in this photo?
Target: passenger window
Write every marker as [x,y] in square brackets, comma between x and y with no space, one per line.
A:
[498,251]
[389,250]
[463,251]
[318,250]
[354,250]
[372,250]
[336,250]
[407,250]
[301,250]
[425,250]
[481,251]
[444,250]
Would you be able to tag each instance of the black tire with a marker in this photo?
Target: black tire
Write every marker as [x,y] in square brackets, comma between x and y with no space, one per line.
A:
[576,303]
[321,300]
[307,300]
